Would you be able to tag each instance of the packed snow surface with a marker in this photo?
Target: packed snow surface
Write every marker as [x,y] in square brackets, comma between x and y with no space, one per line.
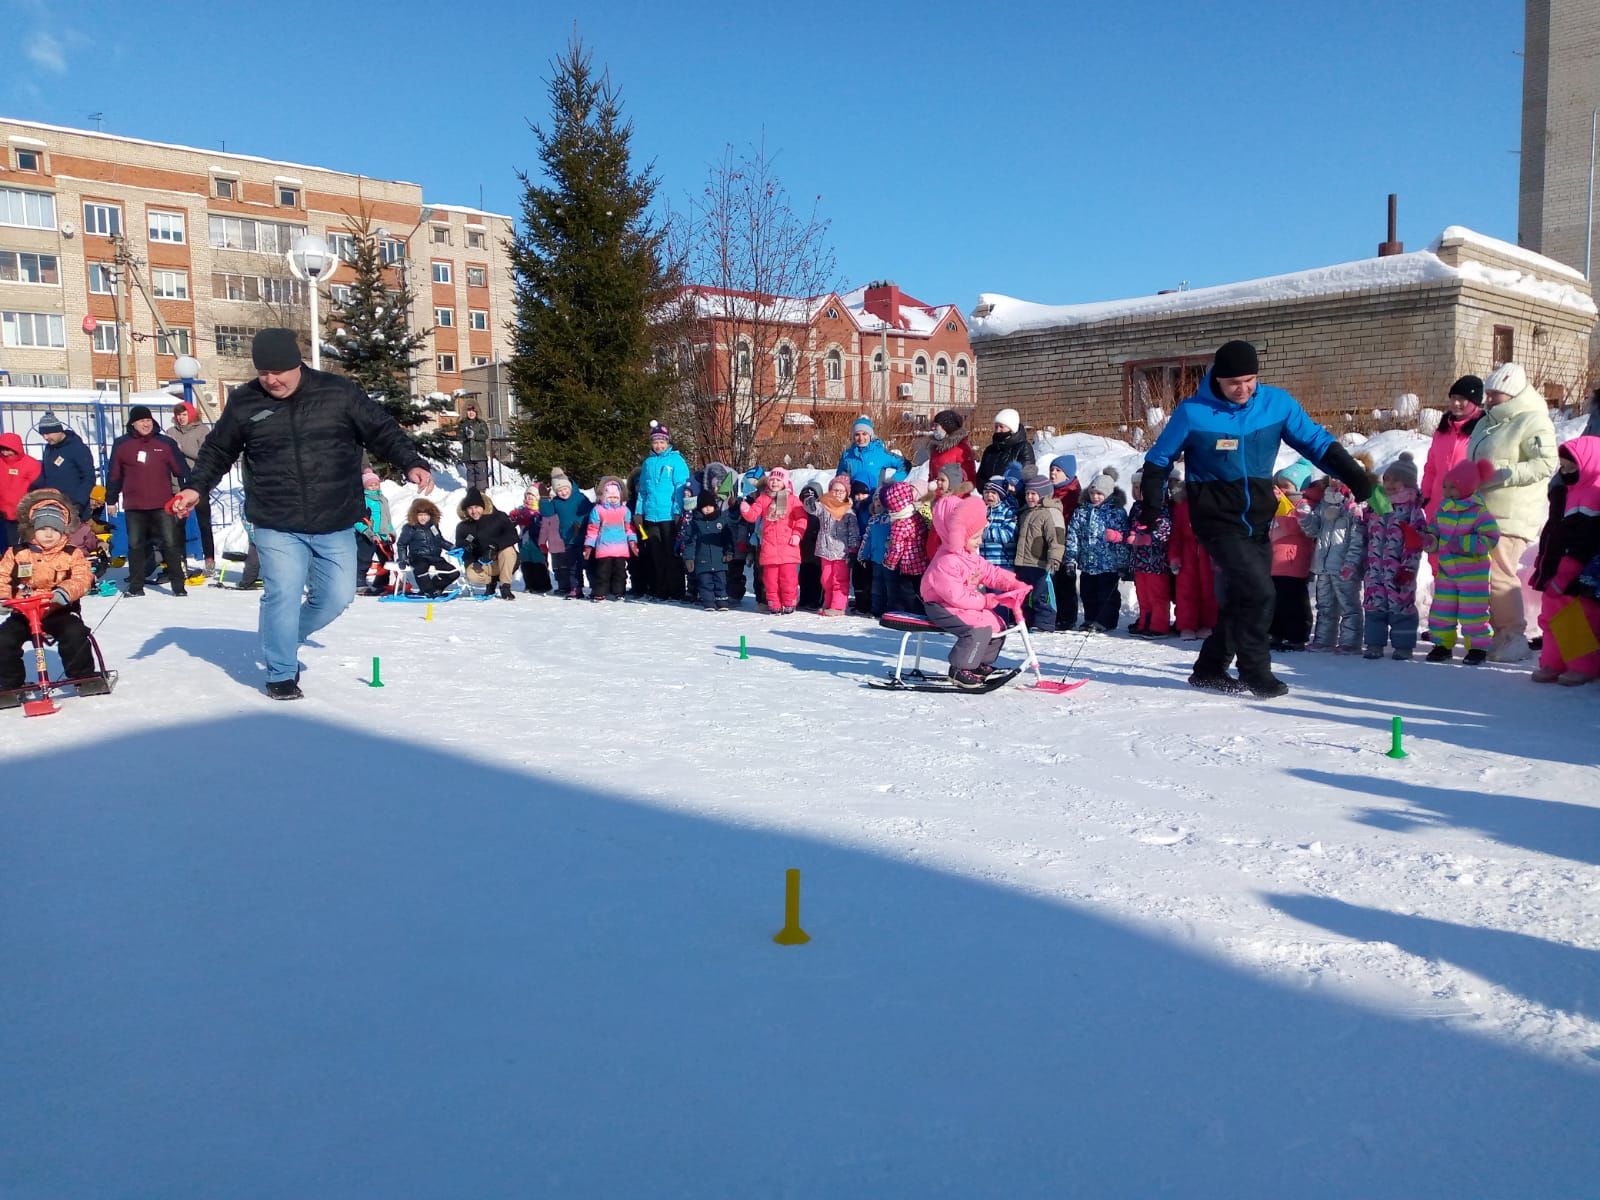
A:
[503,927]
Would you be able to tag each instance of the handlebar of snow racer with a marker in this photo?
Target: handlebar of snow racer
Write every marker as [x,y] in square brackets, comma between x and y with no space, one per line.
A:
[32,608]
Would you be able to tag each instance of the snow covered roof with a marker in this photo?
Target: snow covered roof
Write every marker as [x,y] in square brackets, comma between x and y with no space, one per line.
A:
[730,304]
[1002,315]
[917,319]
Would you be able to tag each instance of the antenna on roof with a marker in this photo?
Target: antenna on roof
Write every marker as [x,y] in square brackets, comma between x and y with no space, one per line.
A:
[99,119]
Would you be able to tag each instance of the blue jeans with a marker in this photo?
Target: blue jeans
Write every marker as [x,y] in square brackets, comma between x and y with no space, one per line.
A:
[291,565]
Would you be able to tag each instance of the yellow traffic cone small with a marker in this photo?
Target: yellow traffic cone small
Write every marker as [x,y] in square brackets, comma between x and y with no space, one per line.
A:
[791,934]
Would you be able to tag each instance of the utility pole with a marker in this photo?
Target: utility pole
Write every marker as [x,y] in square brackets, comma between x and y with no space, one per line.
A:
[122,336]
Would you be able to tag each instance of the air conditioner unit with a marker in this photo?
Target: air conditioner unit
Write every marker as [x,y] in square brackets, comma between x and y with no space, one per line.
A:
[906,391]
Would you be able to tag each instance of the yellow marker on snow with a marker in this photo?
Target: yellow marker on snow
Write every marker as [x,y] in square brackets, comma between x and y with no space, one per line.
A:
[429,617]
[791,934]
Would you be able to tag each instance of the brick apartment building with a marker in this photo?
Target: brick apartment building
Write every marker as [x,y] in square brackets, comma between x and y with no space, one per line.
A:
[1349,338]
[873,349]
[207,232]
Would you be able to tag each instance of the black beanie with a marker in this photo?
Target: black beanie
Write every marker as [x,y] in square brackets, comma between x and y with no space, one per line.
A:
[140,413]
[708,497]
[1235,359]
[275,350]
[1469,386]
[473,496]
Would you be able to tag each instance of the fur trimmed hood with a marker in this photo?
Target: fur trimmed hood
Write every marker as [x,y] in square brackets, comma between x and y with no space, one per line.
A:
[41,497]
[419,506]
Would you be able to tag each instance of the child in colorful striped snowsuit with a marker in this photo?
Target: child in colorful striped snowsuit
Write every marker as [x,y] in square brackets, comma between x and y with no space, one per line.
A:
[1463,533]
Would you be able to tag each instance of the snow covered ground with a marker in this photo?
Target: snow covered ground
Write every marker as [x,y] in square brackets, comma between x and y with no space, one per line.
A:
[503,927]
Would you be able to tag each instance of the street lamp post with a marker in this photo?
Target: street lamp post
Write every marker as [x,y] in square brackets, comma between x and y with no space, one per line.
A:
[188,371]
[1588,232]
[312,261]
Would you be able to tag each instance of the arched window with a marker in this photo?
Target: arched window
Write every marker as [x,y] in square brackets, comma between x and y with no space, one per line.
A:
[877,361]
[919,365]
[941,365]
[961,368]
[835,364]
[785,362]
[741,361]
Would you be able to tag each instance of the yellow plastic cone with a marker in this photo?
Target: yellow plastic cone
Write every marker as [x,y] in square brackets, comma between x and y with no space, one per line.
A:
[791,934]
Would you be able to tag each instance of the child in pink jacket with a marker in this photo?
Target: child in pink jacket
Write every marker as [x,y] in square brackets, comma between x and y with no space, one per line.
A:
[1292,552]
[961,590]
[782,519]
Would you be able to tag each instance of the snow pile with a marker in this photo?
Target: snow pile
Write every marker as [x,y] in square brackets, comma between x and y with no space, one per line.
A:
[1003,315]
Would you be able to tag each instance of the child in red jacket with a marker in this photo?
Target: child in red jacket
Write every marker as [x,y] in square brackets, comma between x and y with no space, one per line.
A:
[1195,588]
[907,552]
[1292,551]
[782,520]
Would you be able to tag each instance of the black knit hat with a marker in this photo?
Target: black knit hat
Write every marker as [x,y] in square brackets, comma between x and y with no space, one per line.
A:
[473,496]
[1469,387]
[949,420]
[140,413]
[275,350]
[708,498]
[1234,359]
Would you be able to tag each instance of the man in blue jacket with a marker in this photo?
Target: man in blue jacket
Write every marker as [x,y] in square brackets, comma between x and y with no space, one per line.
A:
[1228,434]
[68,465]
[662,478]
[865,459]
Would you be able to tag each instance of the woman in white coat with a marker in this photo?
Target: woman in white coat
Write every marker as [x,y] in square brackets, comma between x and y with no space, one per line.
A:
[1517,437]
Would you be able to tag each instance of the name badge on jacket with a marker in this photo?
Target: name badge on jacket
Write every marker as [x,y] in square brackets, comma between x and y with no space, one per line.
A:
[1227,443]
[141,456]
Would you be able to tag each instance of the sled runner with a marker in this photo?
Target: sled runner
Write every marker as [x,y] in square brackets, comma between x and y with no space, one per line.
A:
[35,698]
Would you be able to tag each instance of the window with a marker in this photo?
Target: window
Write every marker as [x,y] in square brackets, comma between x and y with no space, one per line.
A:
[877,361]
[104,220]
[919,365]
[33,329]
[340,293]
[441,272]
[477,318]
[170,285]
[105,338]
[741,361]
[108,385]
[834,364]
[224,189]
[288,197]
[961,368]
[342,244]
[258,289]
[392,250]
[478,360]
[30,160]
[1505,344]
[241,233]
[166,227]
[941,365]
[441,235]
[21,267]
[444,317]
[833,314]
[447,364]
[949,326]
[30,210]
[40,379]
[785,363]
[102,279]
[233,341]
[477,277]
[174,342]
[475,239]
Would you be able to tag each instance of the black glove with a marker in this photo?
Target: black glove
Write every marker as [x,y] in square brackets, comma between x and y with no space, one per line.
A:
[1338,463]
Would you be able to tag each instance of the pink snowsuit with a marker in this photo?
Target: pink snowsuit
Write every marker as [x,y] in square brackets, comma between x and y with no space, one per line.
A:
[780,546]
[961,588]
[1583,505]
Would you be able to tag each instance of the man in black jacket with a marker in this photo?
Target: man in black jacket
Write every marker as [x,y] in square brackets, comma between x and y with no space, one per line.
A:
[487,538]
[301,433]
[473,433]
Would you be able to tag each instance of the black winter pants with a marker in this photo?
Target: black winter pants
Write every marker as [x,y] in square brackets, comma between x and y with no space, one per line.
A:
[1066,581]
[72,640]
[1102,599]
[607,577]
[142,523]
[1246,598]
[663,570]
[1291,611]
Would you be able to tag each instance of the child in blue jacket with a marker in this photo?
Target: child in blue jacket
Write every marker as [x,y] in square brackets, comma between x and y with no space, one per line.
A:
[1095,547]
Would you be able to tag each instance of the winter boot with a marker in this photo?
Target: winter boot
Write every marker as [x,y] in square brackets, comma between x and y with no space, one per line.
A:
[1476,657]
[1440,652]
[285,689]
[1269,688]
[506,592]
[967,680]
[1220,682]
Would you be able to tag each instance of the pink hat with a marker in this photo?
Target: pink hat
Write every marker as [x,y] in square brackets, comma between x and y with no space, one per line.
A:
[780,478]
[1469,475]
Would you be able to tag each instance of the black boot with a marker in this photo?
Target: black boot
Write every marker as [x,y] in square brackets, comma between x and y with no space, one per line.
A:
[506,593]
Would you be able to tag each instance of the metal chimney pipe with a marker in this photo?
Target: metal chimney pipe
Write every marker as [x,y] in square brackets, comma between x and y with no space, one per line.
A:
[1393,245]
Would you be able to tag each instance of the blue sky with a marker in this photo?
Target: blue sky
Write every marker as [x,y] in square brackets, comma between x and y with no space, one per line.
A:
[1059,152]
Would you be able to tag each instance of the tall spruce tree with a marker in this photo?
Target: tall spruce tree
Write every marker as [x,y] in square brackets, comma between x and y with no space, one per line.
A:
[591,267]
[377,347]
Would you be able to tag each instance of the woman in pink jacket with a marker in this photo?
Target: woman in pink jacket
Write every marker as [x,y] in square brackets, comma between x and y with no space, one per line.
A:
[1449,445]
[961,590]
[782,520]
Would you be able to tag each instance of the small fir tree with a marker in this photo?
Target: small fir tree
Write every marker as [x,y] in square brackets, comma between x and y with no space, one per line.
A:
[590,269]
[371,334]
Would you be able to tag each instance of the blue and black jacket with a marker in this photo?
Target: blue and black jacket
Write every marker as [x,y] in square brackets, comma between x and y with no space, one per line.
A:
[1229,451]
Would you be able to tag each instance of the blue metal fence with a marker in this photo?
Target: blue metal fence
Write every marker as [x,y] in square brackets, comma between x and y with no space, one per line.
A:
[100,418]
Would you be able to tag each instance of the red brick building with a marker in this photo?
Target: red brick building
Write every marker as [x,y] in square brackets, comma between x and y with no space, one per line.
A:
[777,366]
